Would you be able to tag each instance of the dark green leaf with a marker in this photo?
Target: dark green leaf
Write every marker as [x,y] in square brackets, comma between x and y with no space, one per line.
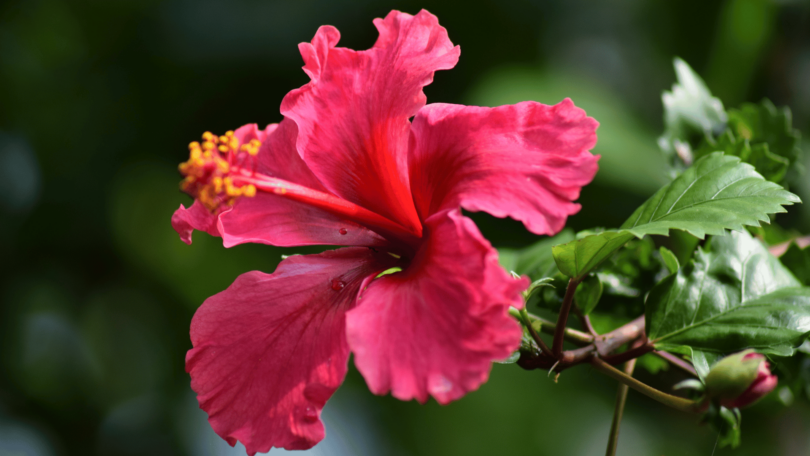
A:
[798,261]
[588,293]
[733,295]
[716,194]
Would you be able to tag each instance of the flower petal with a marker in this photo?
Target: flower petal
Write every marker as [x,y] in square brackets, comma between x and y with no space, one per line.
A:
[273,219]
[271,349]
[436,327]
[527,161]
[196,217]
[353,115]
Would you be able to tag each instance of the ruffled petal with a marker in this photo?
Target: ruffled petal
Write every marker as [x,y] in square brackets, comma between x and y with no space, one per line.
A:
[196,217]
[527,161]
[353,115]
[435,328]
[271,349]
[273,219]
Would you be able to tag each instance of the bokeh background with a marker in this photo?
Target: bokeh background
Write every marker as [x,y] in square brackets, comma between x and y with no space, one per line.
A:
[99,99]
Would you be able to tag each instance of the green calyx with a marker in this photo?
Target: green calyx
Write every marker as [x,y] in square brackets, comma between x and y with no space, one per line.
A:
[732,375]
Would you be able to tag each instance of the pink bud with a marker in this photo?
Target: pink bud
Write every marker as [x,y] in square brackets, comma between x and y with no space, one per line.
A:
[763,384]
[740,379]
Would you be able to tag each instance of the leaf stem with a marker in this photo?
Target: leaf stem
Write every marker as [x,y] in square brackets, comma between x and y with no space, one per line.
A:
[545,326]
[618,411]
[562,320]
[674,360]
[678,403]
[537,339]
[586,322]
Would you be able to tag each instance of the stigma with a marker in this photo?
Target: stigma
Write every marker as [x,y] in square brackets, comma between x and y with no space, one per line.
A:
[211,168]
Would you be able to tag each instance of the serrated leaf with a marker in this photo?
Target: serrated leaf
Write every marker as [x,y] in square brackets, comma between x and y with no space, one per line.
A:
[535,260]
[798,261]
[716,194]
[690,111]
[588,293]
[734,295]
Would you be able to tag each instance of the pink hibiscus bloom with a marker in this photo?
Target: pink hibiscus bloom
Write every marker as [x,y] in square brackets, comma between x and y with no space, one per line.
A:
[347,167]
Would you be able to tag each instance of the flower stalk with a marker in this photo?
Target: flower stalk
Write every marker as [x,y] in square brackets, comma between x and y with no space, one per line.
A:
[678,403]
[618,411]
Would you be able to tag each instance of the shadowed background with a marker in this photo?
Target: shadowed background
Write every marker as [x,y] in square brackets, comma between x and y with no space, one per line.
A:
[99,99]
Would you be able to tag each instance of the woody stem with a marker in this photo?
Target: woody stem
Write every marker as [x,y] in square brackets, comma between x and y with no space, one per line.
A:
[562,320]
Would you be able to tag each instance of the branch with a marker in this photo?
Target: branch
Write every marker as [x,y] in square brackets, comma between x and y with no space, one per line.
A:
[678,403]
[562,320]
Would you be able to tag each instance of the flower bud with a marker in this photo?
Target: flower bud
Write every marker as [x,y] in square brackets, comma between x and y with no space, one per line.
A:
[739,380]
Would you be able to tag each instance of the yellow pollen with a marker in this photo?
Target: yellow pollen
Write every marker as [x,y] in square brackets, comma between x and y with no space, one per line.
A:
[208,170]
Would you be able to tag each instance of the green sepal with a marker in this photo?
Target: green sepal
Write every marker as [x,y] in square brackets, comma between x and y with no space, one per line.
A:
[732,375]
[670,260]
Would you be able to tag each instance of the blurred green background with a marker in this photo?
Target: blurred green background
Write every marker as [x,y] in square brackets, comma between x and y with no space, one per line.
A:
[99,99]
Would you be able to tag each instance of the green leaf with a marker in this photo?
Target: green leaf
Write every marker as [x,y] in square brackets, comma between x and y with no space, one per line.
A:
[535,260]
[670,260]
[690,111]
[798,261]
[772,167]
[588,293]
[734,295]
[764,124]
[716,194]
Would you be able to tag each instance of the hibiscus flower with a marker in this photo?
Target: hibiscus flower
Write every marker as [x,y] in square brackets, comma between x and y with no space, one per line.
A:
[347,167]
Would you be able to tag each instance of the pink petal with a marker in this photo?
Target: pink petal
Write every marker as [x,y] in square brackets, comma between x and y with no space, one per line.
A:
[436,327]
[273,219]
[196,217]
[353,115]
[527,161]
[271,349]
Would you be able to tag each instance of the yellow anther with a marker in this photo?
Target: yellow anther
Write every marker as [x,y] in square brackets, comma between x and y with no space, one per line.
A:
[217,181]
[229,133]
[194,145]
[208,145]
[249,190]
[223,139]
[223,166]
[208,136]
[195,154]
[223,149]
